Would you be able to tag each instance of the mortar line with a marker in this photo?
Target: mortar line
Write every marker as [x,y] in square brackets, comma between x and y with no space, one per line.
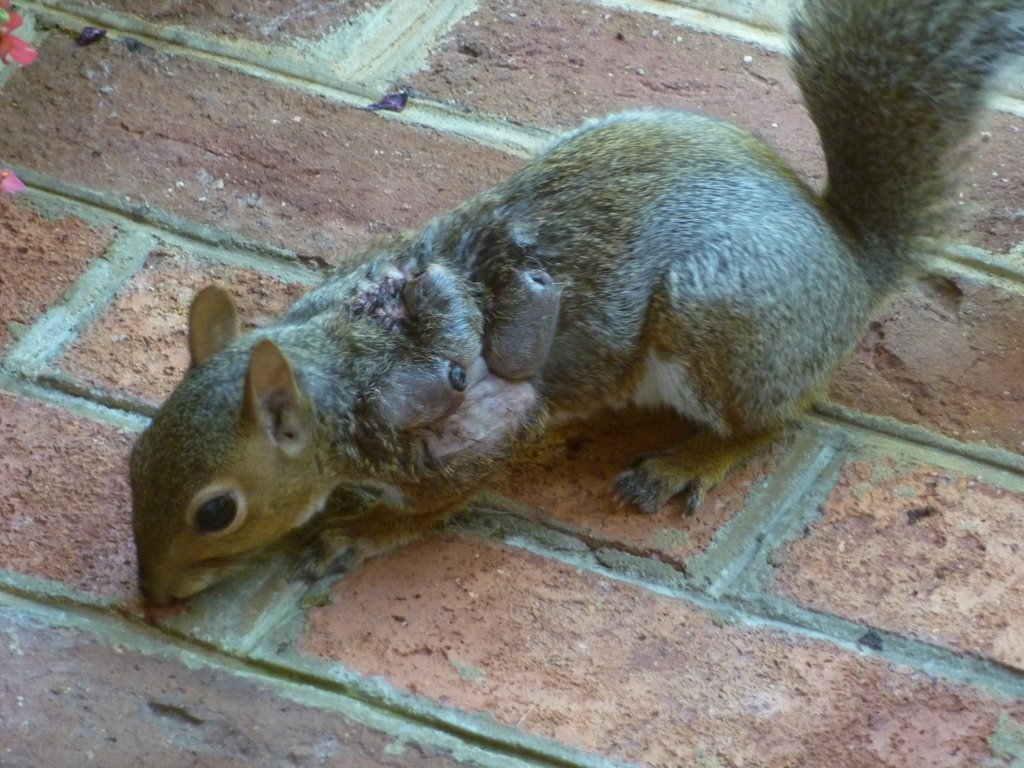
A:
[938,661]
[271,57]
[977,264]
[705,21]
[762,613]
[63,383]
[1004,101]
[778,514]
[383,51]
[177,39]
[492,503]
[985,456]
[58,327]
[74,404]
[145,217]
[372,703]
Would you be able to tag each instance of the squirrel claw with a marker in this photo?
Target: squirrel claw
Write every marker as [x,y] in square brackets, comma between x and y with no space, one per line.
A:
[693,496]
[344,561]
[688,471]
[327,557]
[647,488]
[638,489]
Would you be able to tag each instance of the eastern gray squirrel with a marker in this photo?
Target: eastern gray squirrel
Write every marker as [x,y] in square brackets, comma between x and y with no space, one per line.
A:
[657,258]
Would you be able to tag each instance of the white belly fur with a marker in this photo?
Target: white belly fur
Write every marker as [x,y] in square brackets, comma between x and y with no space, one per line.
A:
[668,384]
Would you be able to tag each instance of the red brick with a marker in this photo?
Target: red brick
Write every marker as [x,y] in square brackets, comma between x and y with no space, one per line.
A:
[270,21]
[946,354]
[232,151]
[40,260]
[64,502]
[920,551]
[616,669]
[71,700]
[557,62]
[139,346]
[568,479]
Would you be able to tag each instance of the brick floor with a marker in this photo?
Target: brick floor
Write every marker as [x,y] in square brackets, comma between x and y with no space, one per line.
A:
[616,669]
[851,597]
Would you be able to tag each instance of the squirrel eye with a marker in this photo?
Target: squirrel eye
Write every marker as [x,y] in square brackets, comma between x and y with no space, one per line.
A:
[457,377]
[216,514]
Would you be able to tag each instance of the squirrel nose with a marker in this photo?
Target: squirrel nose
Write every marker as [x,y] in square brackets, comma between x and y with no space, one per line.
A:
[154,591]
[153,596]
[160,597]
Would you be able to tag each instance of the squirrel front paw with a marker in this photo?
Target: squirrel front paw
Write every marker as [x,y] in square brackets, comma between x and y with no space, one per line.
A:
[329,553]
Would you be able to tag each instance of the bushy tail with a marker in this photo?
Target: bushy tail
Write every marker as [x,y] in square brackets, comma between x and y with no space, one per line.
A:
[894,86]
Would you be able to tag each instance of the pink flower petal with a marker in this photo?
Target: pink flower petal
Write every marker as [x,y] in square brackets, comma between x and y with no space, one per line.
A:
[9,183]
[17,49]
[23,53]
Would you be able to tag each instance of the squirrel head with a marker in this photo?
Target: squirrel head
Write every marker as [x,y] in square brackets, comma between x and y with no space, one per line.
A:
[227,465]
[263,428]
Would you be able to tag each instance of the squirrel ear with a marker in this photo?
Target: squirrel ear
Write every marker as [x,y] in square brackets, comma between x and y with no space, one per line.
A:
[273,401]
[212,323]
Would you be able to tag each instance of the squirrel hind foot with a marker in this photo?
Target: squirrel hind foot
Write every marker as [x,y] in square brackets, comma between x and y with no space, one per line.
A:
[686,472]
[647,487]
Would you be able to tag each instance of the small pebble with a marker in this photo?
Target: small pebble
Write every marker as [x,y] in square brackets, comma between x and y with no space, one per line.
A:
[393,102]
[90,35]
